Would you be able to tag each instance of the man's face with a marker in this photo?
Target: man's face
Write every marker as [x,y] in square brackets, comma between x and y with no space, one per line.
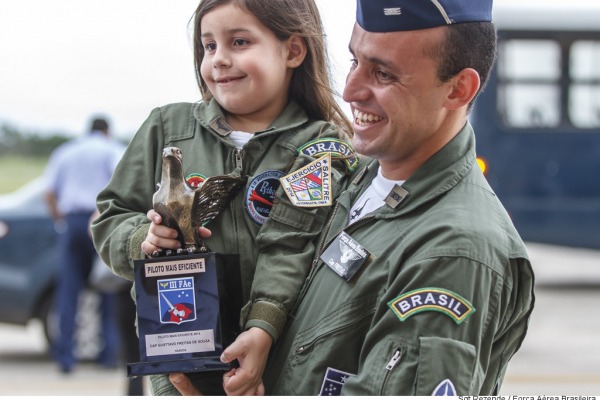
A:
[396,98]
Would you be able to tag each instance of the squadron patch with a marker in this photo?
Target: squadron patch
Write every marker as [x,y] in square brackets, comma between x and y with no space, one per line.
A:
[260,195]
[310,186]
[333,382]
[195,180]
[338,149]
[432,299]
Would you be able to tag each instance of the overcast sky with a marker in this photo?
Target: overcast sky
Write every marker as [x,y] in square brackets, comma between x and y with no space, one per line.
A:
[62,61]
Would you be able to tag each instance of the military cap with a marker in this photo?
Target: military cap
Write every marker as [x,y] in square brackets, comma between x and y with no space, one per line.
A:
[409,15]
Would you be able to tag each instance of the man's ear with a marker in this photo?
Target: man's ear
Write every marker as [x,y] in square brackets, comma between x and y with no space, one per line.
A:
[296,51]
[465,85]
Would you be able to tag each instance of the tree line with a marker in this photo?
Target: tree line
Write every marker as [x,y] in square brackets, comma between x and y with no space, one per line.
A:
[18,143]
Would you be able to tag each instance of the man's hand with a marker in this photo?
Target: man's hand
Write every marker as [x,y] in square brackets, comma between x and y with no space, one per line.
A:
[184,385]
[251,349]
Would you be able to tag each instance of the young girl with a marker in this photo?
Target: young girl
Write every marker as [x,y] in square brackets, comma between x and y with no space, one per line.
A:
[268,109]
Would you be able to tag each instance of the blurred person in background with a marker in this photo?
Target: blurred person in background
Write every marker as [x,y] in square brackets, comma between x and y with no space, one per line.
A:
[76,172]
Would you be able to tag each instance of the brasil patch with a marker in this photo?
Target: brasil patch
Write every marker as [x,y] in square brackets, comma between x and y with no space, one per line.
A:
[338,149]
[310,186]
[432,299]
[260,195]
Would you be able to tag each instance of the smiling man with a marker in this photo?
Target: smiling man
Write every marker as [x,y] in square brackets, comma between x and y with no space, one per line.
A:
[421,284]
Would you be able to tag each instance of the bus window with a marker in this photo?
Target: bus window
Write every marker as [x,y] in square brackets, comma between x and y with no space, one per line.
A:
[584,99]
[529,83]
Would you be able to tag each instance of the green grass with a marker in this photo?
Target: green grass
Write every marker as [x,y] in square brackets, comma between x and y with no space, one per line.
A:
[16,171]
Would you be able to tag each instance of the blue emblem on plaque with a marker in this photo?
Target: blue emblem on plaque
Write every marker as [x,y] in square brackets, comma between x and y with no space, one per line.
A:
[176,300]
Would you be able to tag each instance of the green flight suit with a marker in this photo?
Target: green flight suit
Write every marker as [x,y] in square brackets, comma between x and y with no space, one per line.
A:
[441,304]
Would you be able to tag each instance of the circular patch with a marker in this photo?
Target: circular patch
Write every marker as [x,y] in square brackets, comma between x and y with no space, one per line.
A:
[195,180]
[260,195]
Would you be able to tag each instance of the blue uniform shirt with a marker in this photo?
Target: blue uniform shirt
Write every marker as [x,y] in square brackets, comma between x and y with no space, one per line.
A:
[79,169]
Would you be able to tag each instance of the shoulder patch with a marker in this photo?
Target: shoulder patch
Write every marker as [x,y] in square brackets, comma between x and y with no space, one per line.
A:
[445,388]
[432,299]
[260,195]
[195,180]
[338,149]
[310,186]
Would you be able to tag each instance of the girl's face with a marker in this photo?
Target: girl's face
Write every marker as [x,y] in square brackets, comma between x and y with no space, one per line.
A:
[246,68]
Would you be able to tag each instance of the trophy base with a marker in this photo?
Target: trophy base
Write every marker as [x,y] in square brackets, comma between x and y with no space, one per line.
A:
[190,365]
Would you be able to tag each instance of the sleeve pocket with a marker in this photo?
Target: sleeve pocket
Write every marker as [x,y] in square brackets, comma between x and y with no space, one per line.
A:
[443,360]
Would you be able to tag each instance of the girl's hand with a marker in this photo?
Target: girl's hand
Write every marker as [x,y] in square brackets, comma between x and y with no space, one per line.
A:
[159,236]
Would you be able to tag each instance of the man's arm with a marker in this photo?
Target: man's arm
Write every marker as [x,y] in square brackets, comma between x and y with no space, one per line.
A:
[52,203]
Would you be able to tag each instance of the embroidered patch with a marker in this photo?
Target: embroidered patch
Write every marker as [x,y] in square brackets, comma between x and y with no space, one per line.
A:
[195,180]
[445,388]
[176,300]
[345,256]
[432,299]
[310,186]
[260,195]
[338,149]
[333,382]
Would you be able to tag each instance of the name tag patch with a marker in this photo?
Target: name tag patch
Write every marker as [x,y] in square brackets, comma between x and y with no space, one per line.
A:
[310,186]
[345,256]
[333,382]
[432,299]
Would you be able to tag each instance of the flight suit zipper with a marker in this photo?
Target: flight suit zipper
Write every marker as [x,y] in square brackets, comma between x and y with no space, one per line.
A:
[238,154]
[397,355]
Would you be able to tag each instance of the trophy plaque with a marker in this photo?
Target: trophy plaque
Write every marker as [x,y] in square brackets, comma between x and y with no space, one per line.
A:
[188,300]
[188,310]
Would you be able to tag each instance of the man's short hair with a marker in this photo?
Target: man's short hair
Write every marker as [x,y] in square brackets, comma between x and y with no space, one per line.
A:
[99,124]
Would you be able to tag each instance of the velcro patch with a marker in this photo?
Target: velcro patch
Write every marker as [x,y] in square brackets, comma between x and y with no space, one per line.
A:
[338,149]
[310,186]
[432,299]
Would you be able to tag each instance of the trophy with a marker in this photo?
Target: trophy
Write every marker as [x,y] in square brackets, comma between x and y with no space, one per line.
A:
[188,300]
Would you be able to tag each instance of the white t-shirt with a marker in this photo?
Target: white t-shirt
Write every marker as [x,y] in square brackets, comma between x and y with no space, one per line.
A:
[240,138]
[372,198]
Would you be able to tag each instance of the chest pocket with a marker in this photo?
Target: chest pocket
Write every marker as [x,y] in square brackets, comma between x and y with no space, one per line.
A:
[341,333]
[443,361]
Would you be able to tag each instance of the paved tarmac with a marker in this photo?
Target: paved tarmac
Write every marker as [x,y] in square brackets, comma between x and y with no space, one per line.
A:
[560,356]
[561,353]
